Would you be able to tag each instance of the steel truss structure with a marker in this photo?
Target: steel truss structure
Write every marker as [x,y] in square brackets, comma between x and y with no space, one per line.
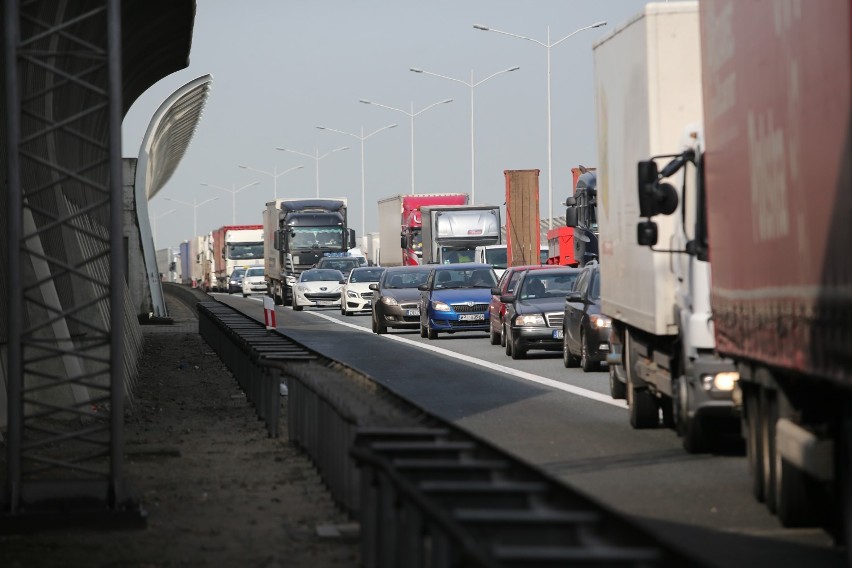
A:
[66,261]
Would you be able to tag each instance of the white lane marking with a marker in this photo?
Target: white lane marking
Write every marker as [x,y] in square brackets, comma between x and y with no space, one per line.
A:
[586,393]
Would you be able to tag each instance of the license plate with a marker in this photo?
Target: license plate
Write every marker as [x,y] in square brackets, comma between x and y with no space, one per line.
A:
[472,317]
[557,334]
[412,312]
[325,302]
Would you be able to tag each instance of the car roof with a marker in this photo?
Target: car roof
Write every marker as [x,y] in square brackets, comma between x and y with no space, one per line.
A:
[363,268]
[415,268]
[460,265]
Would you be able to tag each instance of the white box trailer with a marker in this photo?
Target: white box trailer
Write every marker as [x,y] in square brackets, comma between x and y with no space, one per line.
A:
[648,87]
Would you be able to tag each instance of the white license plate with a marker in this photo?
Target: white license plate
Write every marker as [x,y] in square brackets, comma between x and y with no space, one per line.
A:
[557,334]
[472,317]
[325,302]
[412,312]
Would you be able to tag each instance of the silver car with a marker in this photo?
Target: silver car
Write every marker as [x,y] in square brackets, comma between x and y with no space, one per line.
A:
[396,299]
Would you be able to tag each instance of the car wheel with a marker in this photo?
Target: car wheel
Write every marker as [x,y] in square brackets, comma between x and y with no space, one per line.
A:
[569,360]
[518,352]
[296,306]
[507,341]
[585,360]
[423,331]
[380,328]
[502,336]
[245,295]
[493,337]
[431,333]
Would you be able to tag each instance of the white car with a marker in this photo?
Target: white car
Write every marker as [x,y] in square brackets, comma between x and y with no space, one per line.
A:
[254,281]
[356,295]
[318,287]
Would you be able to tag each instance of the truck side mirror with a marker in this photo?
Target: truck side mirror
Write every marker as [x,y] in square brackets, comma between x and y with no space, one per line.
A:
[646,233]
[276,240]
[655,198]
[402,243]
[350,233]
[571,216]
[570,201]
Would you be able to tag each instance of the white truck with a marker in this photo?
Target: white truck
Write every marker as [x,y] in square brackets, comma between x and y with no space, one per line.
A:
[451,233]
[662,358]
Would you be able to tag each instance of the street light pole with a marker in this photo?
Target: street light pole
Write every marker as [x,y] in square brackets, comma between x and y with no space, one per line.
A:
[154,223]
[410,115]
[362,138]
[547,46]
[316,157]
[274,174]
[195,205]
[233,193]
[471,85]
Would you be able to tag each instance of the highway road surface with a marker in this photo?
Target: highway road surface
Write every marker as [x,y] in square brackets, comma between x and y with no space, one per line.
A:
[564,421]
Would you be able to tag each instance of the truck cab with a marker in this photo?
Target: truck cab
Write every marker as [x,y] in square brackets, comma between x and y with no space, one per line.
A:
[581,214]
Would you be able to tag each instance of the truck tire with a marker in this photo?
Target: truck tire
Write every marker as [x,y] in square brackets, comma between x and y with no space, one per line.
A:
[642,404]
[754,443]
[693,432]
[585,360]
[768,418]
[617,389]
[798,497]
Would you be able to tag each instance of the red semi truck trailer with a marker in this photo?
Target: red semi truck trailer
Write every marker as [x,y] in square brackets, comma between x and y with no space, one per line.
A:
[400,225]
[776,193]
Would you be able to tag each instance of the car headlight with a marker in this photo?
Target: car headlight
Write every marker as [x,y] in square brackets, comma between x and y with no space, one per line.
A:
[351,294]
[440,306]
[532,320]
[725,381]
[600,321]
[388,301]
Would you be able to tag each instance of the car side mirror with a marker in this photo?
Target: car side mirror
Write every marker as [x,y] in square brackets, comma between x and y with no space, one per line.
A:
[423,287]
[374,287]
[495,291]
[574,297]
[507,298]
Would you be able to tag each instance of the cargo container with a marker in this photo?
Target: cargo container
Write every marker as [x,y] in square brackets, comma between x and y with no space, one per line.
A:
[451,233]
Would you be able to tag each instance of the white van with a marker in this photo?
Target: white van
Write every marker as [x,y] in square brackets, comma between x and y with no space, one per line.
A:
[497,257]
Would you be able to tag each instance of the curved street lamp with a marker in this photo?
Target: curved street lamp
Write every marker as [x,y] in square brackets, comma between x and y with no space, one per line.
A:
[472,86]
[316,157]
[195,205]
[274,174]
[547,46]
[412,116]
[362,138]
[233,193]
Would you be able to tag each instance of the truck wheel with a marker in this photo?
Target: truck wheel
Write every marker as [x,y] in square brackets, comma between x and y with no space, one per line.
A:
[754,444]
[585,359]
[666,405]
[768,417]
[617,389]
[798,498]
[569,360]
[643,405]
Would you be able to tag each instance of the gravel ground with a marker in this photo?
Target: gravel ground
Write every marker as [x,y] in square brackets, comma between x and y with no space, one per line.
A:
[217,490]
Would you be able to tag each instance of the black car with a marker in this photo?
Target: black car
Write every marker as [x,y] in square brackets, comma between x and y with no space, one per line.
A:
[585,329]
[235,280]
[534,313]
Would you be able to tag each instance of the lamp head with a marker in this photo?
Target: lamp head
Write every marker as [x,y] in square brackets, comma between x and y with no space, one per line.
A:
[481,27]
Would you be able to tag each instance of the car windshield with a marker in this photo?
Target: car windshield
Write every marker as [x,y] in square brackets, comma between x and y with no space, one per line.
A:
[405,279]
[496,257]
[464,278]
[321,275]
[254,271]
[538,286]
[238,273]
[340,264]
[367,275]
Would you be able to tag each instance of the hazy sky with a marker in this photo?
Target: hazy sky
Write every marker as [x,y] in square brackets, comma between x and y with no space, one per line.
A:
[282,67]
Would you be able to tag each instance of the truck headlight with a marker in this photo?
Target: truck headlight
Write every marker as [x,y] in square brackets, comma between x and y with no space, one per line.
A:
[388,301]
[440,306]
[532,320]
[725,381]
[600,321]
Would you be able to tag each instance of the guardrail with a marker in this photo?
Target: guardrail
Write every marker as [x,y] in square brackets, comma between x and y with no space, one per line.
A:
[425,492]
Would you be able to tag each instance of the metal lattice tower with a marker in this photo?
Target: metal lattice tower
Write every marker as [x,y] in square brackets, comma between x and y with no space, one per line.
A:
[66,258]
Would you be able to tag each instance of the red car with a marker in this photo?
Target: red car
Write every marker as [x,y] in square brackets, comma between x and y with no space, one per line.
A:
[496,308]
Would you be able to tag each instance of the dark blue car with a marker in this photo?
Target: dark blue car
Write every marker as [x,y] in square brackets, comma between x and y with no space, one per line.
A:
[455,298]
